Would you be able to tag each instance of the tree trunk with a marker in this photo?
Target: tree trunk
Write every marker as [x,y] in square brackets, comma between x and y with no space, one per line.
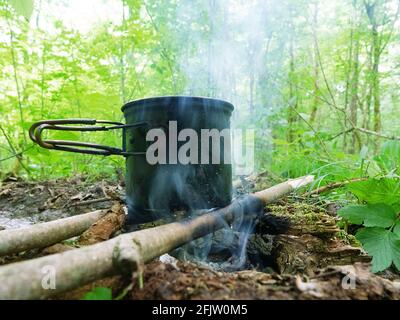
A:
[316,67]
[346,97]
[354,95]
[375,55]
[292,94]
[368,96]
[210,51]
[375,85]
[122,60]
[15,74]
[251,88]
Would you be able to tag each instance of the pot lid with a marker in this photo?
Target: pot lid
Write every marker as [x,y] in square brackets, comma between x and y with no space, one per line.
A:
[166,101]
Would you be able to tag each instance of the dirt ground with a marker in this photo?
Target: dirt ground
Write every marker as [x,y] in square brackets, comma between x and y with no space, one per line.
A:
[310,259]
[23,203]
[190,281]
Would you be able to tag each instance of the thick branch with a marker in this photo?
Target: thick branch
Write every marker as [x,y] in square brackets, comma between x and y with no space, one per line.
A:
[45,234]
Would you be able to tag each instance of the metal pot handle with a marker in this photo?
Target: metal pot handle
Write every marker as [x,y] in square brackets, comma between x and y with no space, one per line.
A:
[35,133]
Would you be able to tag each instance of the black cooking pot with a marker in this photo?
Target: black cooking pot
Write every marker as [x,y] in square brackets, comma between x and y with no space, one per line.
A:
[153,190]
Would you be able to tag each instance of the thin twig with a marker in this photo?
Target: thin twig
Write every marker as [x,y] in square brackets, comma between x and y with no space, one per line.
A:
[87,202]
[332,186]
[377,134]
[315,132]
[15,73]
[366,131]
[333,104]
[15,153]
[340,133]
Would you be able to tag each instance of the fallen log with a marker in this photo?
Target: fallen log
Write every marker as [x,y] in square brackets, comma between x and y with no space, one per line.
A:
[45,234]
[312,241]
[105,227]
[127,252]
[307,253]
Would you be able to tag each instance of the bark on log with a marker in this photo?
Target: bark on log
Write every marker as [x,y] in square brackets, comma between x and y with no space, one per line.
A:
[45,234]
[307,253]
[127,252]
[105,227]
[309,243]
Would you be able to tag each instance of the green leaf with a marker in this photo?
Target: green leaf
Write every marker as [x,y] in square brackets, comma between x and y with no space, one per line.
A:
[99,293]
[354,213]
[383,245]
[396,251]
[380,215]
[373,215]
[396,228]
[386,190]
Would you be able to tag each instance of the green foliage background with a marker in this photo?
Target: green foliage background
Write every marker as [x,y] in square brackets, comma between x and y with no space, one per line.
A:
[294,82]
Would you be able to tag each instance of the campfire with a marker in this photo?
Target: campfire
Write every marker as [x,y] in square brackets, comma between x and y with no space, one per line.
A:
[126,253]
[294,245]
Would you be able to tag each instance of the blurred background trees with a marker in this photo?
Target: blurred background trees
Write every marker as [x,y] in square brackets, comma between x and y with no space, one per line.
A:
[318,80]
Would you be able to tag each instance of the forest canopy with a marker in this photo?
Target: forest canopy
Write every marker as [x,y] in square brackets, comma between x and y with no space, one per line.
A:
[317,80]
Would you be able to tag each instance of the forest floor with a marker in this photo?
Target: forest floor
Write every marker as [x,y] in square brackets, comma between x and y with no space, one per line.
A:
[310,259]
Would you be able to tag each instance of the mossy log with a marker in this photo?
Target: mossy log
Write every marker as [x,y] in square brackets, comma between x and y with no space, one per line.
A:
[311,241]
[307,253]
[128,252]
